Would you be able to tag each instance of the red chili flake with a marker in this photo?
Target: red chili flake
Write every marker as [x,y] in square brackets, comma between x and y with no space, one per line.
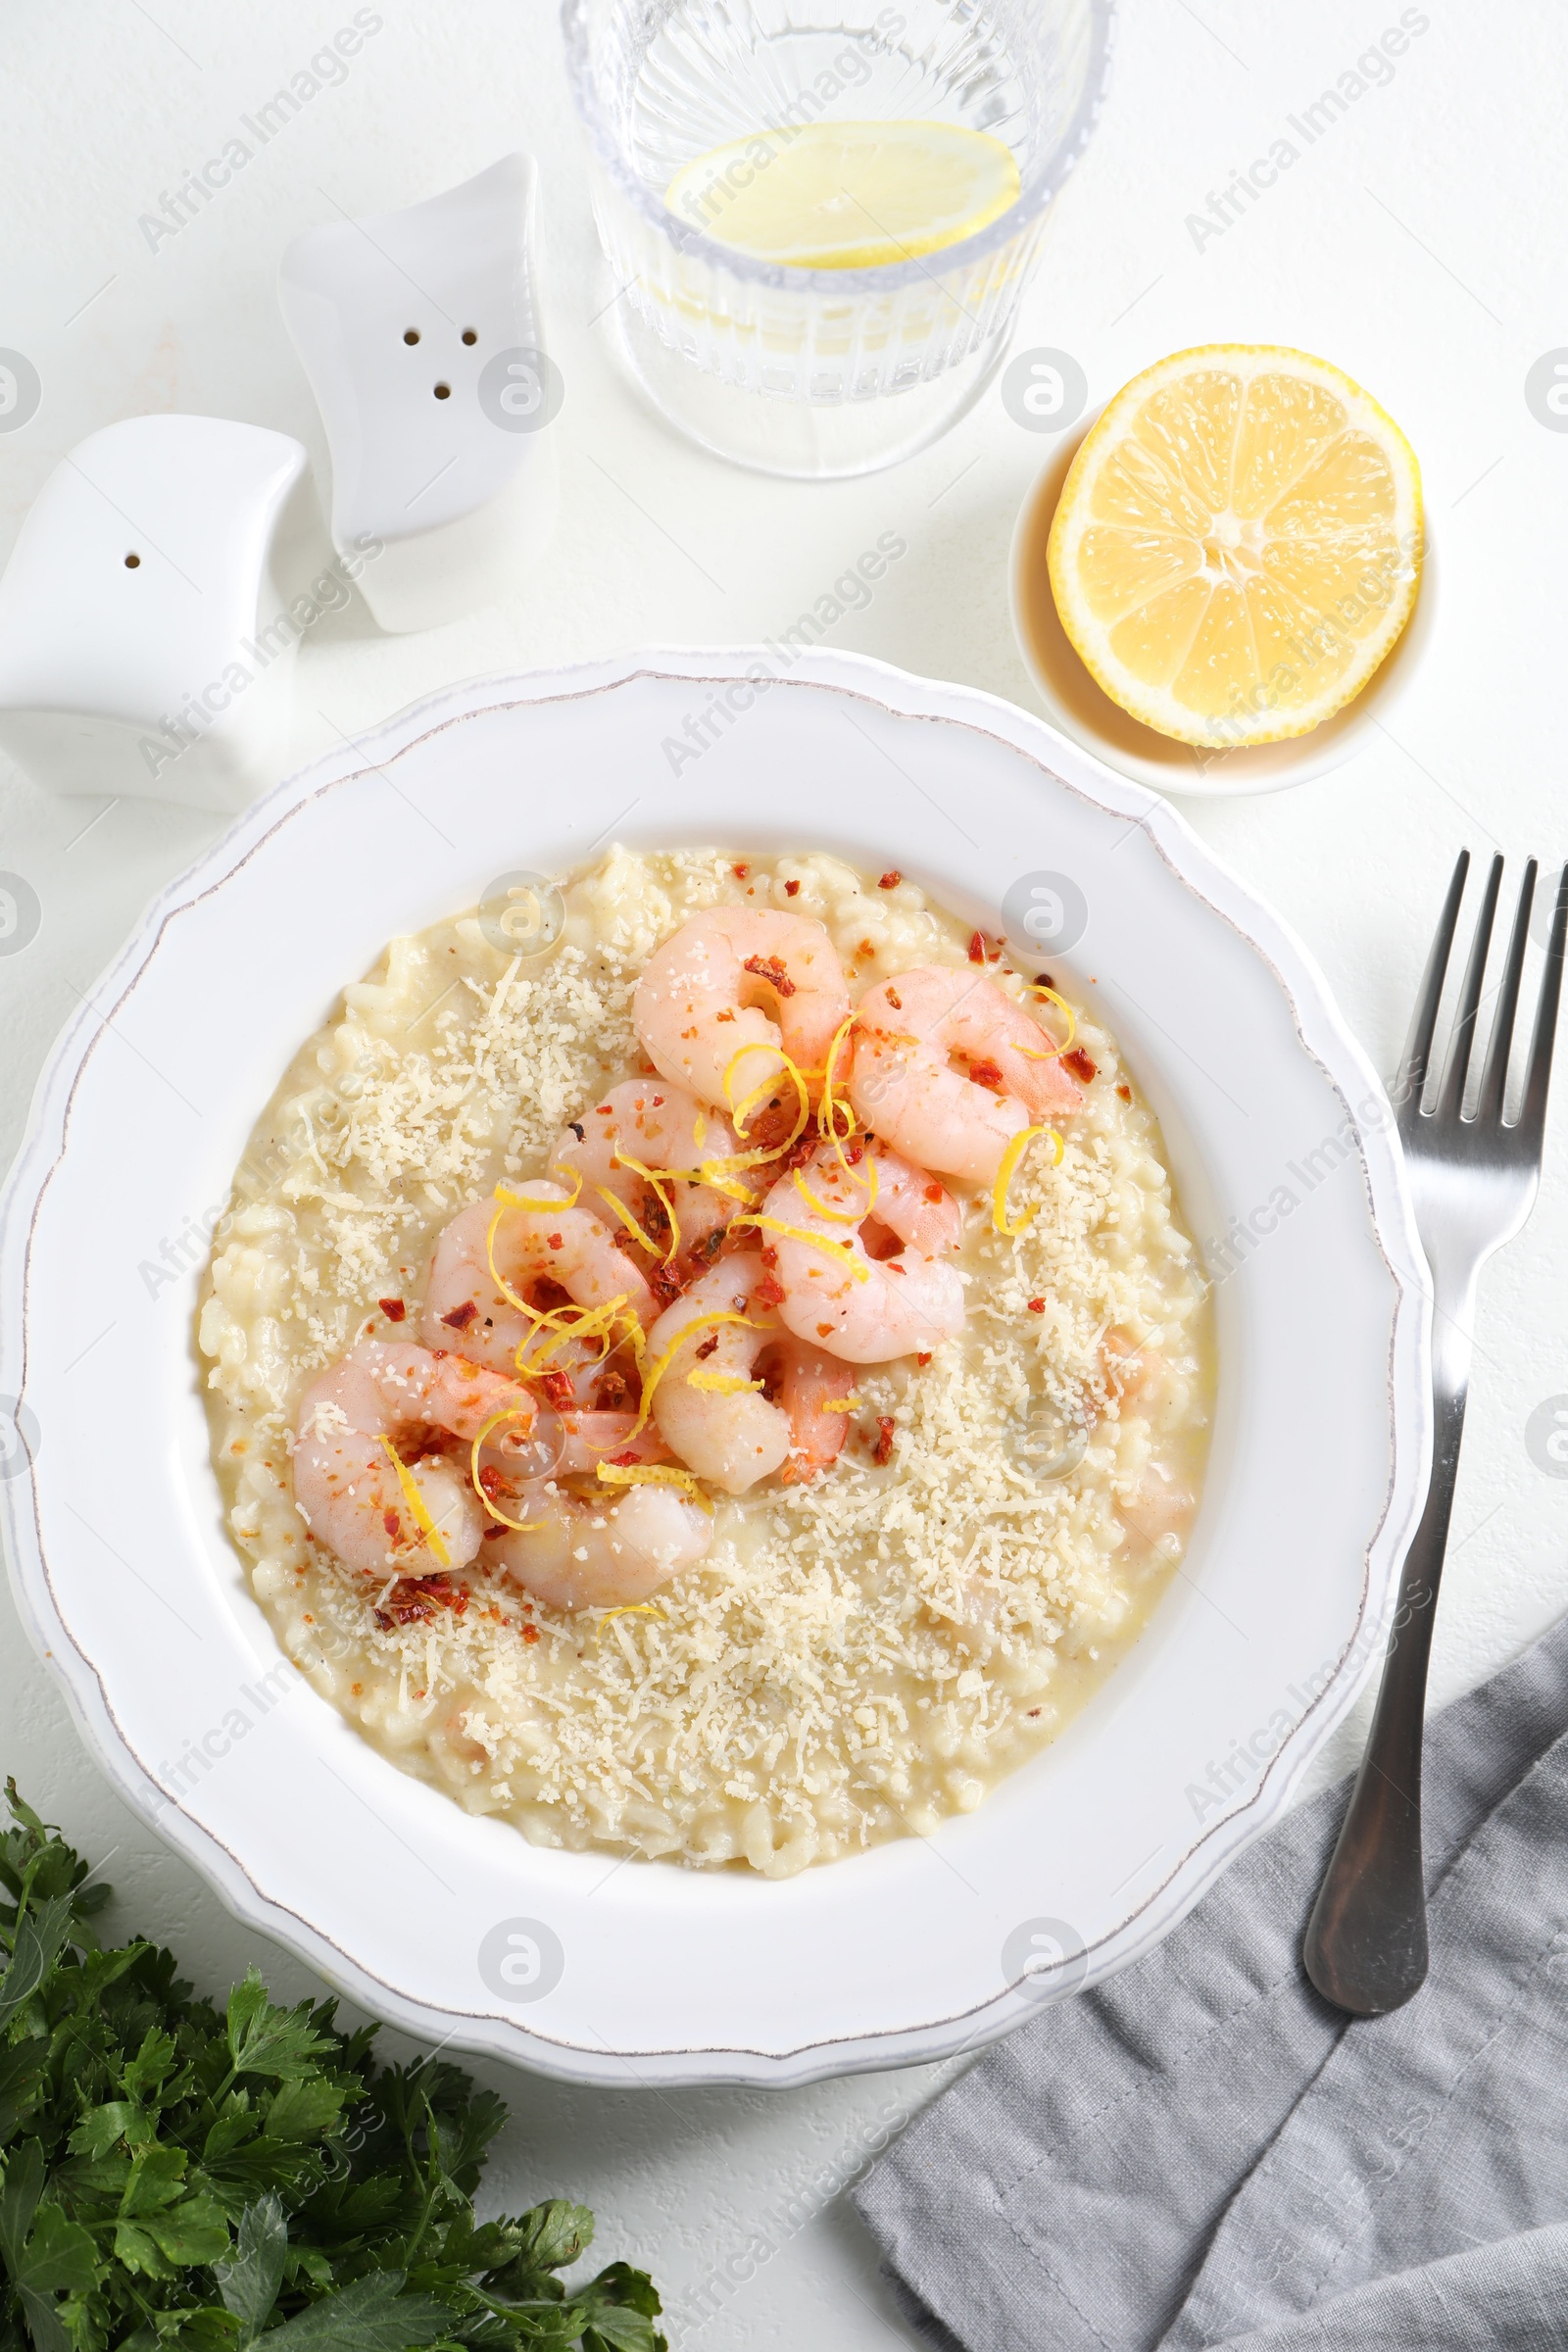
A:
[923,1360]
[791,890]
[612,1393]
[555,1240]
[491,1533]
[769,1255]
[1126,1093]
[740,872]
[891,879]
[655,1216]
[770,1127]
[855,1155]
[771,970]
[462,1316]
[1033,1712]
[1036,1306]
[868,947]
[1079,1063]
[882,1452]
[895,999]
[623,1461]
[530,1633]
[393,1309]
[492,1483]
[769,1292]
[708,1347]
[383,1621]
[799,1152]
[557,1387]
[977,947]
[824,1331]
[415,1599]
[665,1285]
[392,1523]
[933,1192]
[987,1073]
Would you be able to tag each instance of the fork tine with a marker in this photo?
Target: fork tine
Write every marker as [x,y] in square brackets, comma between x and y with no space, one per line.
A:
[1410,1082]
[1495,1080]
[1451,1100]
[1538,1077]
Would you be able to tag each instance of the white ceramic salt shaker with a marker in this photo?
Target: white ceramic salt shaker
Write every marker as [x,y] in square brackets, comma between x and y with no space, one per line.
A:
[149,612]
[419,331]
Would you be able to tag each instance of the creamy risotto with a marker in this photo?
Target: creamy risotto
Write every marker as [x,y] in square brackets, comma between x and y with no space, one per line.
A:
[949,1549]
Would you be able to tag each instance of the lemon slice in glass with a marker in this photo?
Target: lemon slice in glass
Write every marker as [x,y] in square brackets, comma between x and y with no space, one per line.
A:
[1238,543]
[847,195]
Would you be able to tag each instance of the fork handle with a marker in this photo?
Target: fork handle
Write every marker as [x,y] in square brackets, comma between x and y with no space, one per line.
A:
[1366,1942]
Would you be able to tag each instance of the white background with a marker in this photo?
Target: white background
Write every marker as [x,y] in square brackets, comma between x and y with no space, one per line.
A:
[1417,243]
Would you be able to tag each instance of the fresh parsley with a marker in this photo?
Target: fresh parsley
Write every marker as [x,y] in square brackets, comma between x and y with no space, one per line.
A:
[179,2178]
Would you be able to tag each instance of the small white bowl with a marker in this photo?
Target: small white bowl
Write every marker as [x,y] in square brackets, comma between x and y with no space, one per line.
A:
[1083,711]
[1282,1144]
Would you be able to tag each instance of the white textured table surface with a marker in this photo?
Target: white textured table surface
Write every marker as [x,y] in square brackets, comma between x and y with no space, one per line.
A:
[1413,240]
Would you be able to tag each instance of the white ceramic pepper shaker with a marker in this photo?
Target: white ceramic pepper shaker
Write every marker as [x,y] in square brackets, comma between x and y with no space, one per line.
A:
[419,331]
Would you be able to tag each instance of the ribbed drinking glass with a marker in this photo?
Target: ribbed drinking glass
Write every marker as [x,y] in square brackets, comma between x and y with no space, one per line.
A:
[814,372]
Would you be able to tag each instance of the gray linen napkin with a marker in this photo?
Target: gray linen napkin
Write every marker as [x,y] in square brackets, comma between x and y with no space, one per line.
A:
[1203,2153]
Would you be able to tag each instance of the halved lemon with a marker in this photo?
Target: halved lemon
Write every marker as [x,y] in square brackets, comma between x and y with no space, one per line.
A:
[1238,543]
[847,195]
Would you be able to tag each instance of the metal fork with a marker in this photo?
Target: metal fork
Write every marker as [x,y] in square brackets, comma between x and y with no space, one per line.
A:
[1474,1180]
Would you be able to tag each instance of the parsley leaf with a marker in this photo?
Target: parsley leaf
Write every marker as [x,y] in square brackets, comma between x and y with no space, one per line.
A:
[177,2176]
[248,2278]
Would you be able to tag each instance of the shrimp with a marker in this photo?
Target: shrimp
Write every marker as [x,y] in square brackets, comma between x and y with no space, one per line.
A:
[561,1444]
[908,1034]
[589,1438]
[663,1126]
[346,1484]
[829,1288]
[1161,1505]
[739,981]
[779,1410]
[732,1436]
[810,1387]
[1141,1377]
[564,1244]
[577,1555]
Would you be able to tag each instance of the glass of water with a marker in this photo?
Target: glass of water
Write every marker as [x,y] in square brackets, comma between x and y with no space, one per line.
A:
[822,371]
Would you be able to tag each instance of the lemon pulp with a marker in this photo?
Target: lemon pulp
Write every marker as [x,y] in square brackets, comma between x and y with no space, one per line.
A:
[847,195]
[1237,544]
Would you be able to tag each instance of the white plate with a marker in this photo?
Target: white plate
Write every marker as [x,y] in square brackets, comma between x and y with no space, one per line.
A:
[435,1919]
